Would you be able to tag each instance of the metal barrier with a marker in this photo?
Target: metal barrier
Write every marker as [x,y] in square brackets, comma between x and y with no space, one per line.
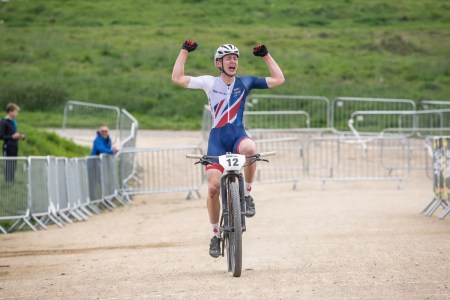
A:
[161,170]
[343,107]
[434,104]
[441,178]
[81,119]
[128,127]
[94,173]
[74,193]
[62,191]
[286,166]
[53,188]
[276,120]
[14,201]
[83,185]
[316,107]
[40,175]
[109,180]
[275,112]
[338,158]
[411,123]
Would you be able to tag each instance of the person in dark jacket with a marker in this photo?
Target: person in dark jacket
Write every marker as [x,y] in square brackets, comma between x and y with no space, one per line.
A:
[102,143]
[10,137]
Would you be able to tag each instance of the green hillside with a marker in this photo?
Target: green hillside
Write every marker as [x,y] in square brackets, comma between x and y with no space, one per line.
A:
[122,52]
[42,143]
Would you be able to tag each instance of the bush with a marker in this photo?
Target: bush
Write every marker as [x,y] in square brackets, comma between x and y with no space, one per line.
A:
[34,97]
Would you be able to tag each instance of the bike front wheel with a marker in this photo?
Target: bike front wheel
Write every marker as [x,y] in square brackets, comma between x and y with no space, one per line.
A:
[235,237]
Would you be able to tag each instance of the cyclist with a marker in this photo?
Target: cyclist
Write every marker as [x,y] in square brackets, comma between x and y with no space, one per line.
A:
[227,94]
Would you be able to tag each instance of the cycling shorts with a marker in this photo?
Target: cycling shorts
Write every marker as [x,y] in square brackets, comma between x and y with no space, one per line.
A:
[225,139]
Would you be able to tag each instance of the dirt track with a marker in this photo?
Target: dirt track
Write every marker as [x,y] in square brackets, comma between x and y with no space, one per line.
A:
[352,240]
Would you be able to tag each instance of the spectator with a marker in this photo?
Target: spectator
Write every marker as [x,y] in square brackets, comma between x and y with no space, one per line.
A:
[10,137]
[102,143]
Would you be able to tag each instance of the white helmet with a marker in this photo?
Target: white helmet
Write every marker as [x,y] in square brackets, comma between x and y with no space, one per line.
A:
[225,50]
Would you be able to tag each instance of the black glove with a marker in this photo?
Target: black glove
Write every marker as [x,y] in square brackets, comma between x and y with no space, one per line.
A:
[190,46]
[260,50]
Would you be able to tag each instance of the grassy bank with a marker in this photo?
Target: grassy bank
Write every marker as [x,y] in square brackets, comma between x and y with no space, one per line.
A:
[42,143]
[122,53]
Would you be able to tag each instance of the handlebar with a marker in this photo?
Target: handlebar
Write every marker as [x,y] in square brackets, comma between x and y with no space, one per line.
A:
[199,156]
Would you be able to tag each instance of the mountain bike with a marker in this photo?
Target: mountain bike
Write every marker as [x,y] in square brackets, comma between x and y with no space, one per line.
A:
[232,221]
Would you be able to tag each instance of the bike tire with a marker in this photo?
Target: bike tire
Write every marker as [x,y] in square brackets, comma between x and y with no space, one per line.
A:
[235,238]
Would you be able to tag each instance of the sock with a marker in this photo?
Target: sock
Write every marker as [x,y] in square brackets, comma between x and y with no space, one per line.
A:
[215,230]
[248,189]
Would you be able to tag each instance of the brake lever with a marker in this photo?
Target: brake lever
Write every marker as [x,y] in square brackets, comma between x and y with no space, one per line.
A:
[255,159]
[204,162]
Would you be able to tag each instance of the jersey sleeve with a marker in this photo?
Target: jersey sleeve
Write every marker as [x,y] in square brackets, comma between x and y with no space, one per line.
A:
[201,82]
[253,82]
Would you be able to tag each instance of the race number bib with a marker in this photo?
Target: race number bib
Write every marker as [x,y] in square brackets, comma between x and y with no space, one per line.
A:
[232,162]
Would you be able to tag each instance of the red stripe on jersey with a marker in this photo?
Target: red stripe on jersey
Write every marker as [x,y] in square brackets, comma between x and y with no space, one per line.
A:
[230,114]
[218,108]
[234,110]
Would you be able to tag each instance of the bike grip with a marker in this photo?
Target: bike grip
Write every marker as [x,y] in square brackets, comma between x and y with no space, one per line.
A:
[270,153]
[197,156]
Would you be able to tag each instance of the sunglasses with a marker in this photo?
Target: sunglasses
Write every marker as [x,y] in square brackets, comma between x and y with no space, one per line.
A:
[104,131]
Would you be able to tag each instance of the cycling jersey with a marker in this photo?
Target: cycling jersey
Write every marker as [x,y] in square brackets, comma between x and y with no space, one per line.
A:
[227,103]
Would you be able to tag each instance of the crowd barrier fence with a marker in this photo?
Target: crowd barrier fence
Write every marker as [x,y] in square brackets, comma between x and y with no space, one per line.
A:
[343,107]
[342,159]
[82,119]
[287,166]
[160,170]
[14,197]
[419,123]
[36,191]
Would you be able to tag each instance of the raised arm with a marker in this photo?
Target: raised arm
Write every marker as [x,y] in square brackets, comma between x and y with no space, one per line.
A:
[276,74]
[178,76]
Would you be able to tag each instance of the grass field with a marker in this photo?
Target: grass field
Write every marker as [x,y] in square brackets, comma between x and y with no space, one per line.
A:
[122,52]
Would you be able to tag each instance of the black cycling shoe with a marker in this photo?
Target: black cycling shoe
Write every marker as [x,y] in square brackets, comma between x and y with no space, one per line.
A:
[214,247]
[250,212]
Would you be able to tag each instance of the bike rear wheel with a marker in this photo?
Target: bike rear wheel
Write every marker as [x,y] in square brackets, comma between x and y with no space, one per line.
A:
[235,236]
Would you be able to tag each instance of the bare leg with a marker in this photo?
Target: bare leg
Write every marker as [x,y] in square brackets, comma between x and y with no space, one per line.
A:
[213,202]
[248,147]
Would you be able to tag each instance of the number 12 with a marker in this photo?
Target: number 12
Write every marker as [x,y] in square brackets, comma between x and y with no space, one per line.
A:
[234,164]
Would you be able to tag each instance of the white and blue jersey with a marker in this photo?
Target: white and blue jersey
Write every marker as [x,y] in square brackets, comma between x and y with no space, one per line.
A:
[227,103]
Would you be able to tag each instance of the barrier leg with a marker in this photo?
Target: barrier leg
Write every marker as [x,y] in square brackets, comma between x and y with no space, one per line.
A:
[82,215]
[65,217]
[294,186]
[445,213]
[108,203]
[86,211]
[119,199]
[54,220]
[39,222]
[425,210]
[74,214]
[2,230]
[193,194]
[95,209]
[434,207]
[26,221]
